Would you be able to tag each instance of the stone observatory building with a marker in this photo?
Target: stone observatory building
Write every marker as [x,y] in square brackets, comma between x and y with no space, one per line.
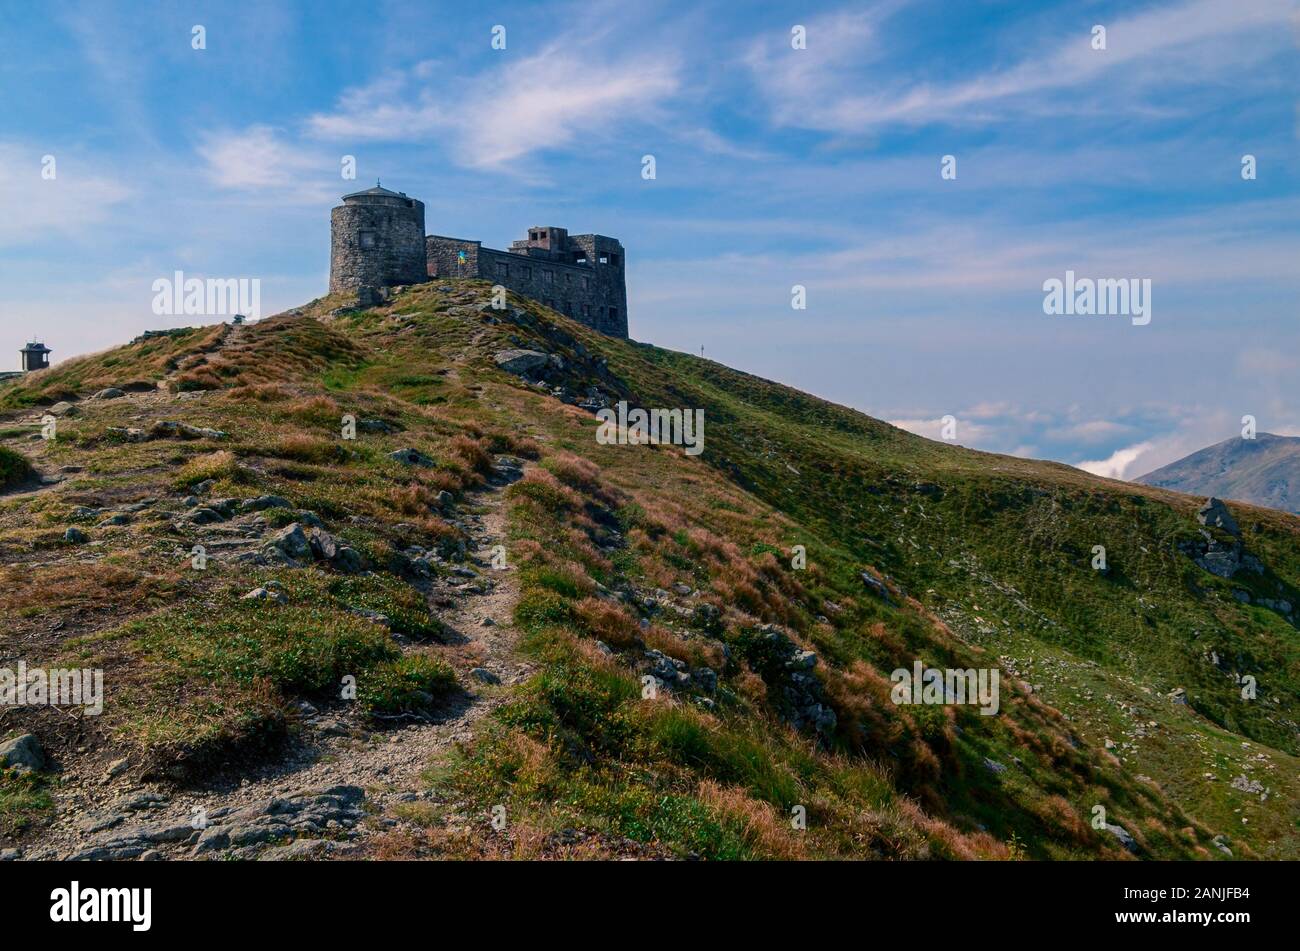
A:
[377,240]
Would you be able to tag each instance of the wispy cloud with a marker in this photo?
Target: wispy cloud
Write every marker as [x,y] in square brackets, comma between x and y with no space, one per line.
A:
[1175,44]
[543,102]
[260,157]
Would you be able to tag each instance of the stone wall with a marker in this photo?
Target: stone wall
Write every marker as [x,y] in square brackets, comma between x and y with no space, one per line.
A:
[594,293]
[442,257]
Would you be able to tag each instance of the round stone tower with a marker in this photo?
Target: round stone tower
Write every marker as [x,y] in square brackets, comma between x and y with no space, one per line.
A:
[377,240]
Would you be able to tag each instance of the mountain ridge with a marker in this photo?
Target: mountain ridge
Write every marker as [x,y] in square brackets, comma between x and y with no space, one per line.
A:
[1262,471]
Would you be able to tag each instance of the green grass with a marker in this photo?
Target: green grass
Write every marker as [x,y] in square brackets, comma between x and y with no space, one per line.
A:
[14,468]
[405,608]
[24,800]
[217,677]
[406,684]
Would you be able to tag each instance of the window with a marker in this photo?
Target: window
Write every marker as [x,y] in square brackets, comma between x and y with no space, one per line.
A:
[503,269]
[366,239]
[613,260]
[528,273]
[548,277]
[613,313]
[586,310]
[568,307]
[586,283]
[579,257]
[602,258]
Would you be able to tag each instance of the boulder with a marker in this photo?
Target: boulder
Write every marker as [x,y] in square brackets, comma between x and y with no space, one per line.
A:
[323,546]
[520,362]
[669,671]
[411,457]
[174,429]
[875,586]
[803,660]
[109,393]
[22,754]
[310,519]
[292,543]
[262,502]
[63,408]
[1244,783]
[204,515]
[75,536]
[1214,514]
[1120,833]
[265,594]
[348,560]
[126,433]
[508,468]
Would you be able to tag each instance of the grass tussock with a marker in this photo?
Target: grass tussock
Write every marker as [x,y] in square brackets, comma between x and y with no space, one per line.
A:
[14,468]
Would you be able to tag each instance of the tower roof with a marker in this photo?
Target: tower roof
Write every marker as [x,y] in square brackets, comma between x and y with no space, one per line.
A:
[35,347]
[377,191]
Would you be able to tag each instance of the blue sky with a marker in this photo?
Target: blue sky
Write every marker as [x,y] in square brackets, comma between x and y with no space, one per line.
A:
[774,167]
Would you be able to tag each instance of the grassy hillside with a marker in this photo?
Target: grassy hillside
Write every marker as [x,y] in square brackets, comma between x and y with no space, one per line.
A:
[636,561]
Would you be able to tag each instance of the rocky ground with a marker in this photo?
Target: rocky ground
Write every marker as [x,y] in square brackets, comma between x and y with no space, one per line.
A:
[345,775]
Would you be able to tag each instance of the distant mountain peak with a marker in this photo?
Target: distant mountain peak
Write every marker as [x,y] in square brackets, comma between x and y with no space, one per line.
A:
[1262,471]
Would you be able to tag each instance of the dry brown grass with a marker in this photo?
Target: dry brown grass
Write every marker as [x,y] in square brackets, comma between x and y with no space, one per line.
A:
[303,448]
[694,652]
[412,499]
[950,842]
[765,830]
[258,393]
[608,622]
[472,453]
[319,411]
[212,465]
[77,587]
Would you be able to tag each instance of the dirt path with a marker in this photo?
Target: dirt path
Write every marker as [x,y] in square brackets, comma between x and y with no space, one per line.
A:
[341,776]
